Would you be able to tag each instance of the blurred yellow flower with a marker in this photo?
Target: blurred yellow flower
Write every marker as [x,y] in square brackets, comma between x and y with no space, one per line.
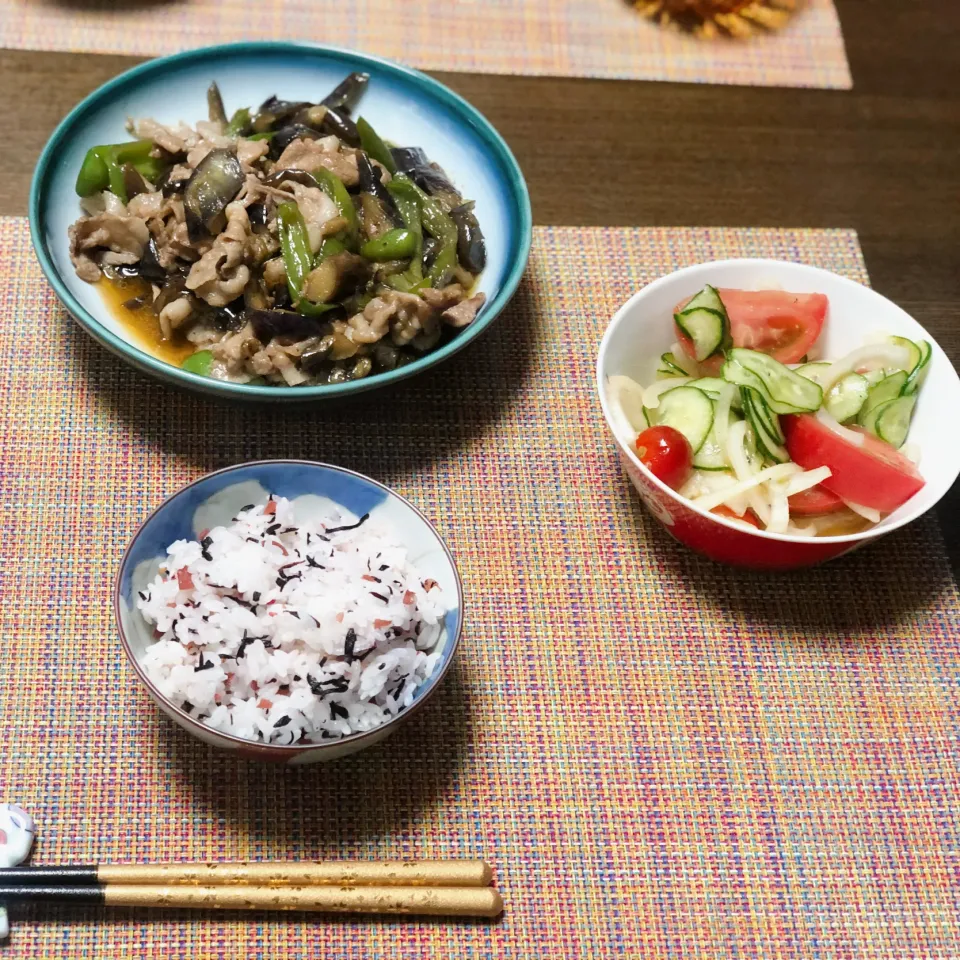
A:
[719,18]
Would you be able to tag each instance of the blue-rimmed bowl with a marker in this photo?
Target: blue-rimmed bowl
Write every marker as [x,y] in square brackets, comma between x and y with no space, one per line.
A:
[314,487]
[405,106]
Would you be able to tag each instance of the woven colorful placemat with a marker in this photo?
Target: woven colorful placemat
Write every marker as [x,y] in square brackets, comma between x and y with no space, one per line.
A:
[540,37]
[662,757]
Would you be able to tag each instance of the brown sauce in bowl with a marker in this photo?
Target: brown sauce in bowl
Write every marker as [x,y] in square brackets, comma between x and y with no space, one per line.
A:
[142,323]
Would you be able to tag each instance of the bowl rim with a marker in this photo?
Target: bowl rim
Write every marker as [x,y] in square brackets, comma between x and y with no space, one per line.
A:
[618,318]
[289,750]
[518,252]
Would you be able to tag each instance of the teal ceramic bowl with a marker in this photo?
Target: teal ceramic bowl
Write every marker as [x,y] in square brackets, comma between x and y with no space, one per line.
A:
[405,106]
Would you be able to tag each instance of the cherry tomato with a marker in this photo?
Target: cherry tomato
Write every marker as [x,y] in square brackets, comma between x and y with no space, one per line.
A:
[873,475]
[815,501]
[784,325]
[667,454]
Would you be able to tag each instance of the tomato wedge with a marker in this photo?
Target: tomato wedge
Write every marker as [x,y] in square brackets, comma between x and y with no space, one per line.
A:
[781,324]
[815,501]
[748,519]
[873,475]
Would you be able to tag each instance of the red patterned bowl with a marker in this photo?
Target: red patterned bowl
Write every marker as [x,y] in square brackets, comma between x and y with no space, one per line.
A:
[642,330]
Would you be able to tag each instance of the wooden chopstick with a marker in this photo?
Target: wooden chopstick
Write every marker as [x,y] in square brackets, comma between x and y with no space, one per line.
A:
[473,901]
[384,873]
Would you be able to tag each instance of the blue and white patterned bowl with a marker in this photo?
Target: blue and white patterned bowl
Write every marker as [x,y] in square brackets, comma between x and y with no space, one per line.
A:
[404,105]
[315,487]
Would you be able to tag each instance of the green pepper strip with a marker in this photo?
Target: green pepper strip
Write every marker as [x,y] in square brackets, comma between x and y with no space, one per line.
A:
[260,136]
[238,122]
[101,167]
[333,187]
[398,244]
[199,363]
[408,203]
[438,224]
[297,258]
[374,146]
[329,248]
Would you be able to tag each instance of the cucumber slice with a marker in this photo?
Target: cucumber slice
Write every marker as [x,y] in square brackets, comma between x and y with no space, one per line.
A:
[688,410]
[711,456]
[912,349]
[889,388]
[920,371]
[893,419]
[712,386]
[784,390]
[810,370]
[845,399]
[668,368]
[704,320]
[769,444]
[768,419]
[875,376]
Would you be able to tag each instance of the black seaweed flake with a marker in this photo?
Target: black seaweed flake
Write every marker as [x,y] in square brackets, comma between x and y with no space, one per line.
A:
[205,545]
[349,644]
[288,530]
[272,529]
[379,596]
[187,706]
[256,596]
[252,539]
[142,596]
[203,665]
[283,579]
[242,603]
[242,649]
[313,563]
[350,526]
[282,722]
[337,711]
[293,613]
[205,618]
[383,566]
[323,661]
[249,506]
[322,688]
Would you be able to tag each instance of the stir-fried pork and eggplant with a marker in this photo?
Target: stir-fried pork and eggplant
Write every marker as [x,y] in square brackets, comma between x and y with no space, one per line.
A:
[286,245]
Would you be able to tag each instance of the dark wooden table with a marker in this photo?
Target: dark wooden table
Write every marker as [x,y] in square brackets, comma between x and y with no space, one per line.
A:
[883,158]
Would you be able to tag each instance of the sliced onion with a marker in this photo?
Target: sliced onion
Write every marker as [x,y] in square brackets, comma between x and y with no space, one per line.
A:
[912,451]
[684,361]
[777,472]
[871,357]
[779,507]
[868,513]
[651,396]
[743,467]
[805,530]
[624,396]
[852,436]
[807,479]
[721,414]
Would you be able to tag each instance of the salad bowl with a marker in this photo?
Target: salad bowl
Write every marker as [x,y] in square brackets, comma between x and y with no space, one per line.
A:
[642,330]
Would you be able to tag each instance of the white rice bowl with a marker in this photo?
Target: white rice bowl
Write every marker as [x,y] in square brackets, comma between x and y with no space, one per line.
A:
[285,632]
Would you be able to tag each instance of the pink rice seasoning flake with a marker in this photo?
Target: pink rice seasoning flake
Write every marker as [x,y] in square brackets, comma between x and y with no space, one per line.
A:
[286,632]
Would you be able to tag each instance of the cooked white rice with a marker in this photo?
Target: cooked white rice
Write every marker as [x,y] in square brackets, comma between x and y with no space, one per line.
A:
[284,632]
